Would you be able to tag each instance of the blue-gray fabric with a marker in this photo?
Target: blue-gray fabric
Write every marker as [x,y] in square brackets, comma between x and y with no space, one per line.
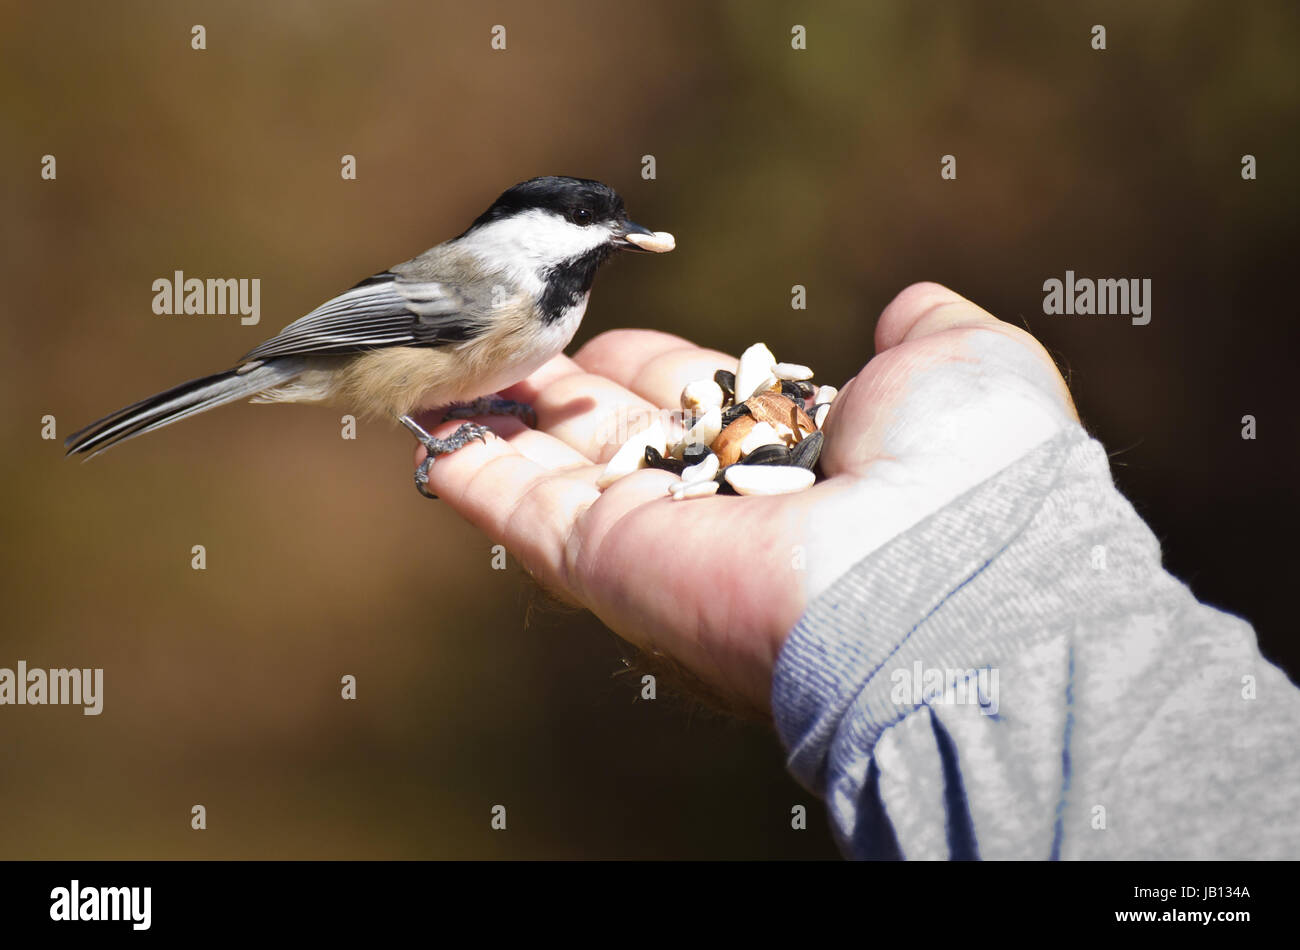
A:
[1086,706]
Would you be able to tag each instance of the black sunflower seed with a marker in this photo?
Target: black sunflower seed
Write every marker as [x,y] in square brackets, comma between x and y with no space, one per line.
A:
[724,486]
[791,389]
[727,381]
[694,453]
[732,413]
[767,455]
[655,460]
[806,453]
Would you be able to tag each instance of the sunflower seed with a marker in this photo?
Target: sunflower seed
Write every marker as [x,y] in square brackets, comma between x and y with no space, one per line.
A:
[792,391]
[768,455]
[825,394]
[632,454]
[704,470]
[754,372]
[732,413]
[726,381]
[659,242]
[806,453]
[654,460]
[696,490]
[706,428]
[702,395]
[761,434]
[792,371]
[694,453]
[819,417]
[768,479]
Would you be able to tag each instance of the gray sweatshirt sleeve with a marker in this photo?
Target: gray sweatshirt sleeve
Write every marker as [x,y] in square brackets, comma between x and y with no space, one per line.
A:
[1017,677]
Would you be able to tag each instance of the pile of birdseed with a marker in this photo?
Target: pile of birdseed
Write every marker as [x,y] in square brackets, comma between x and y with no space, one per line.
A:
[756,431]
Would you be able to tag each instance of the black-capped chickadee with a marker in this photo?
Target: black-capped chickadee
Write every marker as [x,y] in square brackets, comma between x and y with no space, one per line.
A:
[455,325]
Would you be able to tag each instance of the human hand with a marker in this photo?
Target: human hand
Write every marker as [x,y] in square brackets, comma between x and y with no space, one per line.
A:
[952,396]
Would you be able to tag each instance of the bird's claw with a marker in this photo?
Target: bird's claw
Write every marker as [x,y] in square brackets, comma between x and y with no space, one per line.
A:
[437,447]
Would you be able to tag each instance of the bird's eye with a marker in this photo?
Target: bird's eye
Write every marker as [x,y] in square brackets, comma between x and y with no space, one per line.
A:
[580,216]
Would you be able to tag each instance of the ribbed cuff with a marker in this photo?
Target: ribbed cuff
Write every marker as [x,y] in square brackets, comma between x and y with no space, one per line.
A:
[1011,558]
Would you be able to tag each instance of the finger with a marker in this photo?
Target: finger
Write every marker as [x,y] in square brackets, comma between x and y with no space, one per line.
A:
[588,412]
[546,450]
[654,365]
[513,499]
[926,308]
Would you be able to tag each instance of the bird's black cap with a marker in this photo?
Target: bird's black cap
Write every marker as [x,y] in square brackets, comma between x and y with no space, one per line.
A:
[563,195]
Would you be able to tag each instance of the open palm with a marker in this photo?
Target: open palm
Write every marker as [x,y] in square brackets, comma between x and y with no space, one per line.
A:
[952,396]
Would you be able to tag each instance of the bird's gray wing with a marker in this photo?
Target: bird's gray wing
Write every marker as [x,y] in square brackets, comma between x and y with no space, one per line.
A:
[389,309]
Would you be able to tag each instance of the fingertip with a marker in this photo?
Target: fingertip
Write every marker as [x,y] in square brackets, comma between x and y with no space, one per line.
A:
[924,308]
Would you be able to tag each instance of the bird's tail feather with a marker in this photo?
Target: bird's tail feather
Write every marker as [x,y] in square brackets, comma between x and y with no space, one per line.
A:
[180,402]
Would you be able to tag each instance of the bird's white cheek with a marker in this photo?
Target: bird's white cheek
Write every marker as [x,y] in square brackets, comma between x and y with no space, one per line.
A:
[535,239]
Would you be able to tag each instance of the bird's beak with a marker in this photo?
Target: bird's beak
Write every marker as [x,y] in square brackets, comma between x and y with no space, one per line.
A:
[630,236]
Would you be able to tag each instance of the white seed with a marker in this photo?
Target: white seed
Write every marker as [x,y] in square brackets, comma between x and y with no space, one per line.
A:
[768,479]
[761,434]
[706,428]
[825,395]
[754,371]
[819,418]
[793,371]
[701,395]
[631,456]
[659,242]
[702,471]
[696,490]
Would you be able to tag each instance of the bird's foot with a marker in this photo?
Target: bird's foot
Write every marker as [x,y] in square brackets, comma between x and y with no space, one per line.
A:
[494,406]
[466,434]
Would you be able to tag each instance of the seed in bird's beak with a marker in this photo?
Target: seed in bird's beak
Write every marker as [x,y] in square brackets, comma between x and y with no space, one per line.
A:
[660,242]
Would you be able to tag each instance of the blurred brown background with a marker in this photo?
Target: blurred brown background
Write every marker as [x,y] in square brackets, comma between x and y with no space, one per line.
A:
[775,167]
